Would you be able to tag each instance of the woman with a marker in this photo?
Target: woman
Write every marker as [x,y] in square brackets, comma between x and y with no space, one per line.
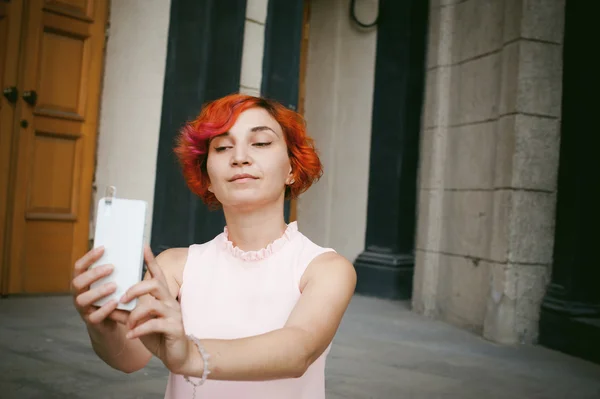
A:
[251,313]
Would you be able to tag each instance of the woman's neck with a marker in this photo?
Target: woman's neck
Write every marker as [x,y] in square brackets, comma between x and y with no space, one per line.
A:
[252,231]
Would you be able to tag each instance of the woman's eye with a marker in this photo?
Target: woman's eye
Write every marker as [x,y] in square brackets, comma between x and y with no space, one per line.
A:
[264,144]
[221,148]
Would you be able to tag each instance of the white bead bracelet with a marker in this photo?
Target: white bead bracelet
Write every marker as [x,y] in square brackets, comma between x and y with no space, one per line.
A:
[205,371]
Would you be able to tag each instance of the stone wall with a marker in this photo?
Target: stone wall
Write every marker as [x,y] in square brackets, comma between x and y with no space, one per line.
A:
[489,160]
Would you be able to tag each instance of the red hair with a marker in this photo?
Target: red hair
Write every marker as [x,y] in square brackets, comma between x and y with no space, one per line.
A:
[218,117]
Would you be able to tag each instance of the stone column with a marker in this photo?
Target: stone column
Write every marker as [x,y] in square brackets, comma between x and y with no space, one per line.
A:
[489,160]
[385,267]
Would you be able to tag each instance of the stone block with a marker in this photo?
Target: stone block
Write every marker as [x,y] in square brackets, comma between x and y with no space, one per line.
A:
[527,152]
[523,227]
[475,90]
[534,19]
[509,78]
[429,219]
[424,177]
[462,291]
[531,288]
[531,229]
[256,10]
[425,282]
[501,211]
[478,28]
[430,108]
[543,20]
[438,97]
[531,78]
[499,321]
[470,156]
[433,37]
[539,78]
[252,55]
[432,157]
[505,152]
[513,303]
[513,20]
[466,222]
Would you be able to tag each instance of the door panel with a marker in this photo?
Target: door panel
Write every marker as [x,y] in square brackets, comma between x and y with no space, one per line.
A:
[62,58]
[10,27]
[81,9]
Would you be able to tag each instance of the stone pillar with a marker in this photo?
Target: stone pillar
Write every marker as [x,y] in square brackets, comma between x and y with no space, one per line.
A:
[489,160]
[385,267]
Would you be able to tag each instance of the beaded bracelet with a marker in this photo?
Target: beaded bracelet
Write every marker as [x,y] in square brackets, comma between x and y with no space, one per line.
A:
[205,371]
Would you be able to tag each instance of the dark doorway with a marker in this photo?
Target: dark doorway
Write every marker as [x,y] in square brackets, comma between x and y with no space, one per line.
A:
[570,316]
[203,63]
[281,61]
[385,268]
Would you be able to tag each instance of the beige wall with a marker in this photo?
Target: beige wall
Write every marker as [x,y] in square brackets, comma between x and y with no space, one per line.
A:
[132,100]
[253,47]
[489,160]
[339,92]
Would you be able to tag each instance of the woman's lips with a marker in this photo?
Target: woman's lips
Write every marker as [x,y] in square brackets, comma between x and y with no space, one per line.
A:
[242,178]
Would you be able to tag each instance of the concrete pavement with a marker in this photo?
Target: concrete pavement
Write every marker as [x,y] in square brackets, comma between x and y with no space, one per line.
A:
[381,351]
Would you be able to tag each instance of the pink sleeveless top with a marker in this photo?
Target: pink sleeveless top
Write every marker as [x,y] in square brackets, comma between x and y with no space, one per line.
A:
[228,293]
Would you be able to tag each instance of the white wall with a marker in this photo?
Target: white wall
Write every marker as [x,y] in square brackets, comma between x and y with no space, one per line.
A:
[132,100]
[339,95]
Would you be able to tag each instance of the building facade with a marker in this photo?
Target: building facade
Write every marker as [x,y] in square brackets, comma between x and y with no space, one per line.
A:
[450,132]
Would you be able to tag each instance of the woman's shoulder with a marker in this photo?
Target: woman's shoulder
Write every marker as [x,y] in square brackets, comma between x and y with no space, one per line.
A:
[172,262]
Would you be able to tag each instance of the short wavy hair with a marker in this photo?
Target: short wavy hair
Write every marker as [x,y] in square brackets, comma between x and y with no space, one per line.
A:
[218,117]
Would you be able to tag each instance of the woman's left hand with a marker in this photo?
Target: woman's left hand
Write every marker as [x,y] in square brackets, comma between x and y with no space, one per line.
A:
[157,319]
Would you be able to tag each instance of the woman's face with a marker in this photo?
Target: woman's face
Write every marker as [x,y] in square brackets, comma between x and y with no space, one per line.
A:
[249,165]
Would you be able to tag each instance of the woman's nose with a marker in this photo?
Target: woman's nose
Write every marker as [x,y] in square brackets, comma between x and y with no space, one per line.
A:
[240,156]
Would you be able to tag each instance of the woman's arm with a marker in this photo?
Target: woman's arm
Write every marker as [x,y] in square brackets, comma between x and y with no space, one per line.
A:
[327,287]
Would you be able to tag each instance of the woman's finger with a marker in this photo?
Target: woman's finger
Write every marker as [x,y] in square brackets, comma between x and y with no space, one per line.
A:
[120,316]
[159,325]
[83,281]
[87,260]
[102,312]
[146,310]
[153,266]
[152,287]
[87,298]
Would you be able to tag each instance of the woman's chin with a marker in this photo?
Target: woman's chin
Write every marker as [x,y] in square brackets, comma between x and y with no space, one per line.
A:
[247,201]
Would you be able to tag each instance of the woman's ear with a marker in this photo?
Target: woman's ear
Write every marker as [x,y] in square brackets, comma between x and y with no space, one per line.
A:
[290,180]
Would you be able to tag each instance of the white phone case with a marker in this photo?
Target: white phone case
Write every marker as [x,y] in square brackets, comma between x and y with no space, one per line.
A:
[120,229]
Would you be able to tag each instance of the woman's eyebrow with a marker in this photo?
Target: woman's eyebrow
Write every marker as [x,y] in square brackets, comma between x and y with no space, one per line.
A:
[262,128]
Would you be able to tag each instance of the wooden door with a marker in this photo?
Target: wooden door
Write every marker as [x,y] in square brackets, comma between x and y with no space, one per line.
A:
[62,48]
[10,31]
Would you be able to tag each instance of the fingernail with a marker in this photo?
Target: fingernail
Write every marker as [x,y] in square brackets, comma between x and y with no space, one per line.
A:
[129,335]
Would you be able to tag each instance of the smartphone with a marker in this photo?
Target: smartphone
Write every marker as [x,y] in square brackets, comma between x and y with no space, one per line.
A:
[120,225]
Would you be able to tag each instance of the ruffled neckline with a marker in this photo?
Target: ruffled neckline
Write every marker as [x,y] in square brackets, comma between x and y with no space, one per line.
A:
[263,253]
